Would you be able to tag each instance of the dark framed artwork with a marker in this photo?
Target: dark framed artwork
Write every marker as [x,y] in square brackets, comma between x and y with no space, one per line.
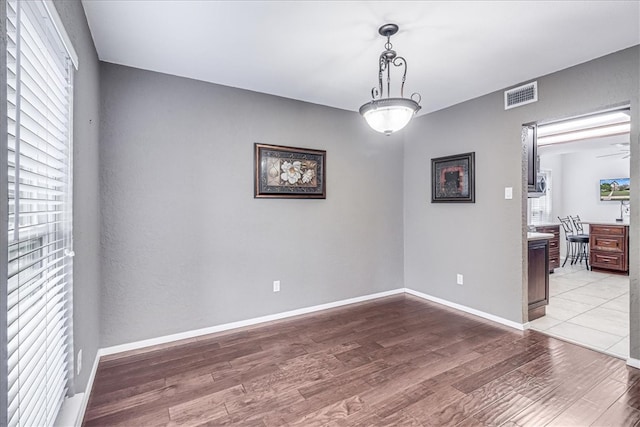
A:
[453,179]
[289,172]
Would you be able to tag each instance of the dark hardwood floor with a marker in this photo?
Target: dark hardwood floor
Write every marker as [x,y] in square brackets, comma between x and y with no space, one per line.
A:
[394,361]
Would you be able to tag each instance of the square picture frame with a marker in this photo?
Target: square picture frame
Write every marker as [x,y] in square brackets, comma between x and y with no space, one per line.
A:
[453,179]
[289,172]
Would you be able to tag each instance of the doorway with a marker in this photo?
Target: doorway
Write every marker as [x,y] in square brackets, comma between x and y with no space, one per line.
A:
[581,159]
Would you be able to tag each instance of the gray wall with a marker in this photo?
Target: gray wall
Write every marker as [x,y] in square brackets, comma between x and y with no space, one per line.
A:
[185,244]
[86,189]
[484,241]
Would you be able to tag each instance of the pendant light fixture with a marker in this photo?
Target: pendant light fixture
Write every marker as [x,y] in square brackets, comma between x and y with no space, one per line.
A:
[388,115]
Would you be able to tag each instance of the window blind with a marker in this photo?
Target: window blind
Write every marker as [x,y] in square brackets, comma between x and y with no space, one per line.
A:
[39,276]
[540,207]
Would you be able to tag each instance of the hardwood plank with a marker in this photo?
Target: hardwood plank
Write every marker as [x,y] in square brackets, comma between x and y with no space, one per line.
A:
[285,379]
[624,373]
[393,361]
[359,356]
[187,374]
[586,410]
[618,414]
[424,408]
[156,418]
[473,403]
[144,403]
[489,374]
[327,397]
[280,352]
[632,396]
[500,412]
[259,406]
[205,408]
[395,403]
[342,379]
[472,422]
[556,401]
[109,381]
[330,413]
[98,399]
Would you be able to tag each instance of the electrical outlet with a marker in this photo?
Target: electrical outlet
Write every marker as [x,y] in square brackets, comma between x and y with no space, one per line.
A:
[459,279]
[508,193]
[276,286]
[79,362]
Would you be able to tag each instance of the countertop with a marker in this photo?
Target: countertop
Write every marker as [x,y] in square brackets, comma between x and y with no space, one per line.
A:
[538,236]
[544,224]
[613,222]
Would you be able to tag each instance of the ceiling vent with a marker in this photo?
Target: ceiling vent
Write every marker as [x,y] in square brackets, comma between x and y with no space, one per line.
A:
[521,95]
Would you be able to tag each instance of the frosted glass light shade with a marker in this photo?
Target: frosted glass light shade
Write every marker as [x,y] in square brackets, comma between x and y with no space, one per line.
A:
[388,115]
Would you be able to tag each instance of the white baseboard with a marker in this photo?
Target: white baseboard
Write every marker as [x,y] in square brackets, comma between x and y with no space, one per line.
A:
[634,363]
[70,411]
[488,316]
[73,408]
[242,323]
[87,390]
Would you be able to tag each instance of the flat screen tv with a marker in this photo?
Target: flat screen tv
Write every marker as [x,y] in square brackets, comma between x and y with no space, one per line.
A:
[614,189]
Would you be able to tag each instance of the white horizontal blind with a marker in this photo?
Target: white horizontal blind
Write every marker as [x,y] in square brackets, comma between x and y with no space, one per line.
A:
[540,207]
[39,92]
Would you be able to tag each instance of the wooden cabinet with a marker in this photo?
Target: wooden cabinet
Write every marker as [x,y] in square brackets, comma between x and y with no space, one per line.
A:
[554,244]
[538,278]
[609,247]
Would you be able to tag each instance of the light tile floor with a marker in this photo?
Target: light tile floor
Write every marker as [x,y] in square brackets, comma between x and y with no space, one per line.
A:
[588,308]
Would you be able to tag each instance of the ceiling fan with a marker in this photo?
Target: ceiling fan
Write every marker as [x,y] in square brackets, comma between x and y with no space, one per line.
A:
[625,153]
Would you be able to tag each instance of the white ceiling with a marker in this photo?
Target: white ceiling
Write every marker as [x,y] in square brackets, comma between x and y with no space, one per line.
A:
[616,144]
[326,52]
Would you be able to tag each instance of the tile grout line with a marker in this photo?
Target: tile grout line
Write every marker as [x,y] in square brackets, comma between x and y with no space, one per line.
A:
[568,320]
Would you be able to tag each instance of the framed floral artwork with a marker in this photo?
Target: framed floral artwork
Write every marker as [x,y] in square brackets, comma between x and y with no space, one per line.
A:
[289,172]
[453,178]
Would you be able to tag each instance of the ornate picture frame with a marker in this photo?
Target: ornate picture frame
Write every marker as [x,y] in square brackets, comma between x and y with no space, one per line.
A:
[289,172]
[453,179]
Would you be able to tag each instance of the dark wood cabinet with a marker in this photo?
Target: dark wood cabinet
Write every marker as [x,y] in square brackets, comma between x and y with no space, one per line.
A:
[538,278]
[609,247]
[554,244]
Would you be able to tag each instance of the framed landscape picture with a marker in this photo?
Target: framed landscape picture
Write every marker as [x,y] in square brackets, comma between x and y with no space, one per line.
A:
[289,172]
[453,179]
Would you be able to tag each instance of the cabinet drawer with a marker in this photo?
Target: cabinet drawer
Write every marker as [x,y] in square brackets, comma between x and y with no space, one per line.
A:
[609,230]
[607,243]
[554,244]
[612,261]
[554,261]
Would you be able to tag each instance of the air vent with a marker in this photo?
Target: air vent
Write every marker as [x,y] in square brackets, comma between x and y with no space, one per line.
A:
[521,95]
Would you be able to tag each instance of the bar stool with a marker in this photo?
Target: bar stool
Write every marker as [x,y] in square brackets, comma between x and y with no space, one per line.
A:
[576,244]
[582,238]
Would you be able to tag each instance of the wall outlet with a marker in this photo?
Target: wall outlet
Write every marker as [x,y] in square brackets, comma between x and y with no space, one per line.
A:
[79,362]
[276,286]
[508,193]
[459,279]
